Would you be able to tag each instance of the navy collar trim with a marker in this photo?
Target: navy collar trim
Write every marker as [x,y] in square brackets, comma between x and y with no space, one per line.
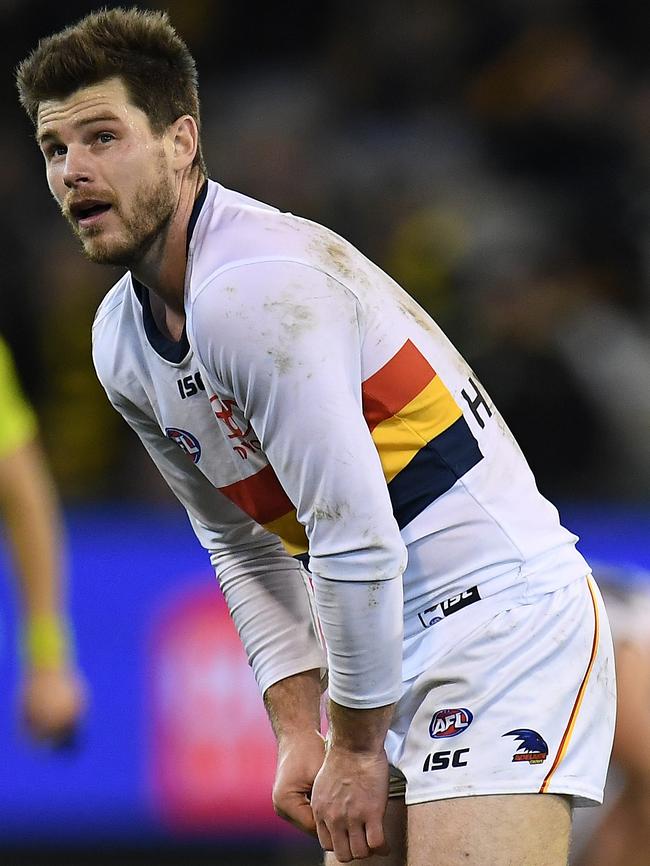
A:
[170,350]
[196,210]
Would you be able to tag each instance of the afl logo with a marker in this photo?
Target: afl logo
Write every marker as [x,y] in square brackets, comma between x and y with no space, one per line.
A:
[450,723]
[186,442]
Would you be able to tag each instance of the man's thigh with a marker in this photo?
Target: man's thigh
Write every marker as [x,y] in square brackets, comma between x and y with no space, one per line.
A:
[493,830]
[499,830]
[395,829]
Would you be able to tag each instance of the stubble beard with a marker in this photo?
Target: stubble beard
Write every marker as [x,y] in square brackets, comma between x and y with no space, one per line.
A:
[151,211]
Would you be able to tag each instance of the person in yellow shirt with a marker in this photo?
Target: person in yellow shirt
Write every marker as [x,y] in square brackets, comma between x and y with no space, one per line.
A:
[52,692]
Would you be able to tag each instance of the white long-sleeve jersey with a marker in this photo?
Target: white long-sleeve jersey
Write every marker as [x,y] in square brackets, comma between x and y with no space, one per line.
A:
[312,409]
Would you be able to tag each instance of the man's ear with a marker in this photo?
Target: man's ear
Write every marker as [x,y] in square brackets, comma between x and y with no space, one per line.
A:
[184,135]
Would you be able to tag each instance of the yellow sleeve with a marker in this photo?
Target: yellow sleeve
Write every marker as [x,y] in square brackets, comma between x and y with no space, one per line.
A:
[17,419]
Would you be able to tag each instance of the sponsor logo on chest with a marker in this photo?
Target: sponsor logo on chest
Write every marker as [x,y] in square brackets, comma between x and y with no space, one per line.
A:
[190,385]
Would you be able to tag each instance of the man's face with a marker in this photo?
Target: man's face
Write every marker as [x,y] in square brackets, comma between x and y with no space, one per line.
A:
[107,170]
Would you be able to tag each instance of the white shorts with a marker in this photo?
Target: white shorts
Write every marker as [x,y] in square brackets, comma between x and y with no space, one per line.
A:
[523,701]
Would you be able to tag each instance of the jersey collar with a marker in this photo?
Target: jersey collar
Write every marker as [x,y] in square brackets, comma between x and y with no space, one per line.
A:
[171,351]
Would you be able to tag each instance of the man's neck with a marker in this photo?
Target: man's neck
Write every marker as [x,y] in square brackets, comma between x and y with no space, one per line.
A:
[162,269]
[169,322]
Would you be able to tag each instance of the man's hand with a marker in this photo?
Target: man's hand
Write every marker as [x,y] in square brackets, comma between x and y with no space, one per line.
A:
[52,703]
[300,757]
[349,801]
[350,793]
[293,705]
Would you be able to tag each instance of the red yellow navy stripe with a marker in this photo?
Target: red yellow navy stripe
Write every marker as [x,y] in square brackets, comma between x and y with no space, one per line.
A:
[395,384]
[568,732]
[406,405]
[261,496]
[423,442]
[399,438]
[291,532]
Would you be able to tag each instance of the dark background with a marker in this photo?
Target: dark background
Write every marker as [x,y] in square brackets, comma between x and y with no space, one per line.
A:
[491,157]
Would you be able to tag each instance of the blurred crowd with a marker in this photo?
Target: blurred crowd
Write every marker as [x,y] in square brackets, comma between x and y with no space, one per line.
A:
[491,157]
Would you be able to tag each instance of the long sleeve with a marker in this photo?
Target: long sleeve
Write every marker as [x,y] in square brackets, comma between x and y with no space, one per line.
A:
[284,343]
[265,589]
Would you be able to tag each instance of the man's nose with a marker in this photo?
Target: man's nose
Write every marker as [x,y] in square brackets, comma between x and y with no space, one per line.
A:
[77,167]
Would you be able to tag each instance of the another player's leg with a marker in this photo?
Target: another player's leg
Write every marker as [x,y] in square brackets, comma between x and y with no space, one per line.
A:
[395,828]
[623,835]
[530,829]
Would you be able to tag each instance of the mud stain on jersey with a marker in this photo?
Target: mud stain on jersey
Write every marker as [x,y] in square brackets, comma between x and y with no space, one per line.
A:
[298,320]
[327,511]
[282,360]
[409,307]
[290,221]
[336,257]
[373,589]
[374,540]
[290,321]
[295,318]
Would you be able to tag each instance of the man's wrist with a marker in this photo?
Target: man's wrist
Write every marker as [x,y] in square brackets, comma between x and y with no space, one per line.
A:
[358,731]
[46,642]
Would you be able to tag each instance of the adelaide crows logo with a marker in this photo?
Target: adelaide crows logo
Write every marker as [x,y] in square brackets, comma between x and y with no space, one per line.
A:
[533,747]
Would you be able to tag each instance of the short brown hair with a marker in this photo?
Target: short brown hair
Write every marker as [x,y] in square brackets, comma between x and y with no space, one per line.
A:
[140,47]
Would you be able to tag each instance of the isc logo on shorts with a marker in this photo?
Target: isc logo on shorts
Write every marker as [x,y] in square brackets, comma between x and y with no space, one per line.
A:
[437,612]
[444,760]
[450,722]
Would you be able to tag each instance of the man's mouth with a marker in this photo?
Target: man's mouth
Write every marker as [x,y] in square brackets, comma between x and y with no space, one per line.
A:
[89,211]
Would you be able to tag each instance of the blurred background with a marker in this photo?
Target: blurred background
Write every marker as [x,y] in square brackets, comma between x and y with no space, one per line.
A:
[493,158]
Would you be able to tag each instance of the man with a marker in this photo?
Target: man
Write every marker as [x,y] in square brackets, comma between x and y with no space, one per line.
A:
[52,696]
[619,834]
[304,408]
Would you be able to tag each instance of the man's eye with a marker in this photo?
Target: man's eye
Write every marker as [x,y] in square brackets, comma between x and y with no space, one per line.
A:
[57,150]
[105,137]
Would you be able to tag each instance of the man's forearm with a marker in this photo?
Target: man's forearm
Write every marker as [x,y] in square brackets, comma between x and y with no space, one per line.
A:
[293,705]
[31,514]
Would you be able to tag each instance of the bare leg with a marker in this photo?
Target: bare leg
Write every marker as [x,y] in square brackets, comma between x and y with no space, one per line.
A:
[395,828]
[522,829]
[623,836]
